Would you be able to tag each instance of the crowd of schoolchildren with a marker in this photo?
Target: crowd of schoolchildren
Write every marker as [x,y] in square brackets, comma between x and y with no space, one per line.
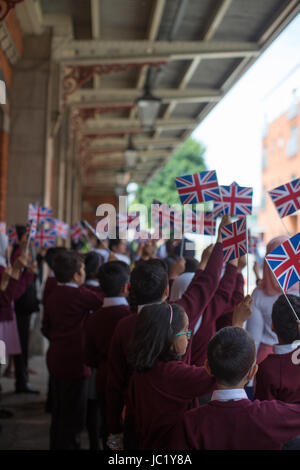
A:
[149,354]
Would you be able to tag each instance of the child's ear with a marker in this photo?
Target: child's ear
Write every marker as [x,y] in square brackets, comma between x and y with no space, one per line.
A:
[207,368]
[166,292]
[253,371]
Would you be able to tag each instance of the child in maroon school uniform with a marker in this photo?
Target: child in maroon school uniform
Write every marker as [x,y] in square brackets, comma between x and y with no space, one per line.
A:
[114,278]
[148,285]
[66,311]
[162,387]
[278,376]
[230,421]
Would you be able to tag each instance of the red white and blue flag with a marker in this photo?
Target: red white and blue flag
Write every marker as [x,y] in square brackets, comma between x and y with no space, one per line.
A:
[199,187]
[31,229]
[77,232]
[193,221]
[234,240]
[12,235]
[45,237]
[209,224]
[165,215]
[284,262]
[127,220]
[286,197]
[252,243]
[61,227]
[236,200]
[40,214]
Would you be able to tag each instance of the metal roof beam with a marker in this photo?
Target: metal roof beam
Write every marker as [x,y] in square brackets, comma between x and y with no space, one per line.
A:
[113,95]
[88,52]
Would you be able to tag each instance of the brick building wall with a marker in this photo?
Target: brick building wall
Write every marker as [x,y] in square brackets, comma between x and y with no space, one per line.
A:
[281,164]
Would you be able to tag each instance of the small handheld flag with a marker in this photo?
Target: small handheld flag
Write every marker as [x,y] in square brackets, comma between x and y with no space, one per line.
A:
[286,198]
[45,237]
[236,200]
[209,224]
[199,187]
[77,232]
[234,240]
[12,235]
[40,214]
[284,262]
[61,227]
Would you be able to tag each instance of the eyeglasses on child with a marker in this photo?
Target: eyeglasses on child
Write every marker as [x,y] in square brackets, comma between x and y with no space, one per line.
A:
[188,333]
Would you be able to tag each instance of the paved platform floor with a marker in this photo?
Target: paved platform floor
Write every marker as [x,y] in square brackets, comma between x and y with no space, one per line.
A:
[28,429]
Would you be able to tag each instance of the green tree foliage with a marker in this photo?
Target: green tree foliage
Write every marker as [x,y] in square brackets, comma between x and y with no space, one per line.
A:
[187,160]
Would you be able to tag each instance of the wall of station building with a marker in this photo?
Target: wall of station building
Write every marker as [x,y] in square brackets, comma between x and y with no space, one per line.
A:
[281,164]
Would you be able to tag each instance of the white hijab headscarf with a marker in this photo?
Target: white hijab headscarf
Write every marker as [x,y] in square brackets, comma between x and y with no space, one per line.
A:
[3,248]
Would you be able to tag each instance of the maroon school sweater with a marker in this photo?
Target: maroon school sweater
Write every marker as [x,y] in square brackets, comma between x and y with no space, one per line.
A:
[237,425]
[50,284]
[194,301]
[158,398]
[13,291]
[279,378]
[66,311]
[213,311]
[237,297]
[100,327]
[97,290]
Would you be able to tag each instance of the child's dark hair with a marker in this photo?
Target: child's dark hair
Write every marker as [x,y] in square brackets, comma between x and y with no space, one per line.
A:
[114,242]
[191,264]
[154,335]
[51,253]
[113,276]
[148,282]
[92,263]
[284,320]
[231,354]
[65,264]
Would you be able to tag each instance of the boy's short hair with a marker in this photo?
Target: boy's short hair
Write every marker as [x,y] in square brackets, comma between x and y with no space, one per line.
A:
[113,276]
[284,321]
[231,354]
[51,253]
[148,282]
[65,264]
[92,263]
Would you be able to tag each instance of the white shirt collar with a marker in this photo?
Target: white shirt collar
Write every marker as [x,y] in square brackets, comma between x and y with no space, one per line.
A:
[229,394]
[151,303]
[92,282]
[285,348]
[69,284]
[112,301]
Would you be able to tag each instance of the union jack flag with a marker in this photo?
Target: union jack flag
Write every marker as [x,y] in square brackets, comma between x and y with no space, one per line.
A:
[234,240]
[209,224]
[284,262]
[3,227]
[193,221]
[286,198]
[31,228]
[199,187]
[40,214]
[165,215]
[13,238]
[77,232]
[236,200]
[124,220]
[45,237]
[61,227]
